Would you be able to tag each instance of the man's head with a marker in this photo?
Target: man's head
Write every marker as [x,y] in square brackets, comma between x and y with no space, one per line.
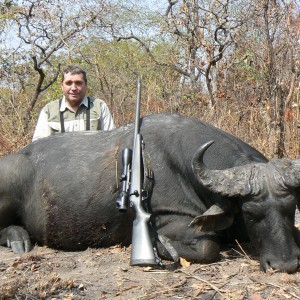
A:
[74,70]
[74,85]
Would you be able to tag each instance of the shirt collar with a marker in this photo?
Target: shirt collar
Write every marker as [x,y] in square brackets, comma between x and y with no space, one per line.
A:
[64,105]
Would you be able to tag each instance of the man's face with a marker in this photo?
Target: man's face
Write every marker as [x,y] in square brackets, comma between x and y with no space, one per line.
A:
[74,88]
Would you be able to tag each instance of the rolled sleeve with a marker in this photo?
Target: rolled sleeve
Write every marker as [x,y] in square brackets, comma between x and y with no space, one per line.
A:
[107,122]
[42,127]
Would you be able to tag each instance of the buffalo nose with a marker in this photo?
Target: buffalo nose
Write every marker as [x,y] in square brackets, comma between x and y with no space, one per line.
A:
[286,264]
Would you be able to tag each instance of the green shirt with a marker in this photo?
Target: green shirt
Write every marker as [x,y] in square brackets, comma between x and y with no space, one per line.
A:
[49,119]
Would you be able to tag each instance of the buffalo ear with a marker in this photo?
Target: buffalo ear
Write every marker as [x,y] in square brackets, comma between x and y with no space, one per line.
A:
[214,219]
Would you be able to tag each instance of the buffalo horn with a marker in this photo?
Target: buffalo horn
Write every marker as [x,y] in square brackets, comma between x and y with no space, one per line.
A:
[229,183]
[290,171]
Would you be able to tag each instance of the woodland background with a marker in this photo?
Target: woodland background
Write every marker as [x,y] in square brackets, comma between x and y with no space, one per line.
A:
[232,63]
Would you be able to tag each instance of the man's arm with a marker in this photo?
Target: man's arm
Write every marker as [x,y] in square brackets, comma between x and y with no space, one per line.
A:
[107,122]
[42,128]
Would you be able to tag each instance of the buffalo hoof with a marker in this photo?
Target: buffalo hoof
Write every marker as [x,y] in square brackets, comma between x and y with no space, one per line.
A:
[16,238]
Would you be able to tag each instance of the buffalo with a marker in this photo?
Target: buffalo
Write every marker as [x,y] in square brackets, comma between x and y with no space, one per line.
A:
[209,188]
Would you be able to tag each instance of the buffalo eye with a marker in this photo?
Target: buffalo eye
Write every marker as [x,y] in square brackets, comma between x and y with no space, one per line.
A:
[253,212]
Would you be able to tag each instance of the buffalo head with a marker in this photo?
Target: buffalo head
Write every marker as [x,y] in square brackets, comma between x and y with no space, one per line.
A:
[267,198]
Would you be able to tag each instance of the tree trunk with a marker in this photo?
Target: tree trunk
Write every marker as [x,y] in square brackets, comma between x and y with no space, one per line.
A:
[212,101]
[280,151]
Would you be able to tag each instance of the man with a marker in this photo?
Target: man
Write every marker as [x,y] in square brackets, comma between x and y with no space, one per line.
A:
[75,111]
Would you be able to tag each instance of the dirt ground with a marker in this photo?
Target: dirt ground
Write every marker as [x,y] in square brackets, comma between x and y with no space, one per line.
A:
[105,274]
[98,274]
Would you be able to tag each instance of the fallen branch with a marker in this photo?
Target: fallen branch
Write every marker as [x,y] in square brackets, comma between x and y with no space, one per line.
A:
[204,281]
[243,250]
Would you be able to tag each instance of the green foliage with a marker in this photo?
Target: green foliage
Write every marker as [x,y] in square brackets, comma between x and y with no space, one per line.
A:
[5,7]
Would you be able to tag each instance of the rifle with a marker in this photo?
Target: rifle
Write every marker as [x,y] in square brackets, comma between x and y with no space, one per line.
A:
[142,253]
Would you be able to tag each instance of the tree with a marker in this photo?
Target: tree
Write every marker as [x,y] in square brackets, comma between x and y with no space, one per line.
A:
[275,50]
[260,71]
[202,31]
[45,29]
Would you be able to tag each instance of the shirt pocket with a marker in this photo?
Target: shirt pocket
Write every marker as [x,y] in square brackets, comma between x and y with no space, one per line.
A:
[56,127]
[95,124]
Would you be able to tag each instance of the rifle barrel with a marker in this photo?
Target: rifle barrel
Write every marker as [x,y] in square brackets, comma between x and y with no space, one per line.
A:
[138,104]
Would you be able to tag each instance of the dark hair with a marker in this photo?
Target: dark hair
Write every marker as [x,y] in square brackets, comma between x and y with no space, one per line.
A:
[74,70]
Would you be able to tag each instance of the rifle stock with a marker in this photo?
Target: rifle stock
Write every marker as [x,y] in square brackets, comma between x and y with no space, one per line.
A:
[141,249]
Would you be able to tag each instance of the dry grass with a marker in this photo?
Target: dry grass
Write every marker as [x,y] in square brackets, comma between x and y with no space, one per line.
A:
[250,123]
